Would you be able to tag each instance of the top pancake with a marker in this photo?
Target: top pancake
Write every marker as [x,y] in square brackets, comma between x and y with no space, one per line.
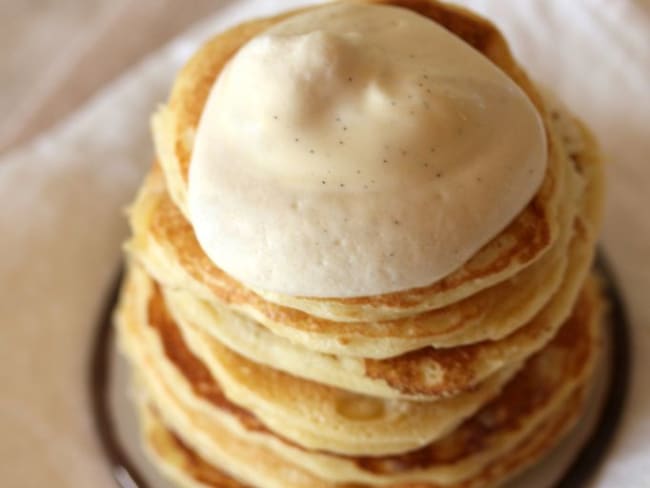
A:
[524,241]
[165,244]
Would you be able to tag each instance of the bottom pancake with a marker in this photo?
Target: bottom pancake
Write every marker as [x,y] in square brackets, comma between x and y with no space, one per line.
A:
[188,469]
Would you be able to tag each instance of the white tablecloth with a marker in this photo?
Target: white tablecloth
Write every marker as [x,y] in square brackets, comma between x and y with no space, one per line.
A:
[61,223]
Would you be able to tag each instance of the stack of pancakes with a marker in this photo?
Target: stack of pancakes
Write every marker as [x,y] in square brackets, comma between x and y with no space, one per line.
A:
[461,383]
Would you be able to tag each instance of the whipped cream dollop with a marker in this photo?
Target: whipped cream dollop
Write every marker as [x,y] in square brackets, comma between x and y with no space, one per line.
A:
[356,150]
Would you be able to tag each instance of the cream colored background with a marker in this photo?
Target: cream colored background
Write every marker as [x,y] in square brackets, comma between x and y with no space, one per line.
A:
[76,87]
[56,53]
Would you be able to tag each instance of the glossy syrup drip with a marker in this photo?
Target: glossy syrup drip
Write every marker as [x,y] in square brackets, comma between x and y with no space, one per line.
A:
[581,470]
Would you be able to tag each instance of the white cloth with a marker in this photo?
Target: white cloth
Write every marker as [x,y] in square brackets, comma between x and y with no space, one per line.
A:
[61,223]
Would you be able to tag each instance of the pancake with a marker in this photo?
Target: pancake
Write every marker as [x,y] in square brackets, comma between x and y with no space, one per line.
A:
[538,391]
[188,469]
[425,374]
[519,245]
[164,242]
[269,392]
[309,414]
[422,374]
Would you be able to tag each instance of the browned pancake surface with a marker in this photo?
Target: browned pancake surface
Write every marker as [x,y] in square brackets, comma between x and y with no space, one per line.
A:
[170,449]
[527,393]
[523,241]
